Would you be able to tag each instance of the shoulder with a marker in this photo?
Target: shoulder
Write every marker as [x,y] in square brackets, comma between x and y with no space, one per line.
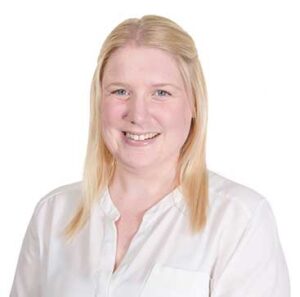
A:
[59,203]
[234,208]
[242,224]
[237,211]
[230,195]
[62,194]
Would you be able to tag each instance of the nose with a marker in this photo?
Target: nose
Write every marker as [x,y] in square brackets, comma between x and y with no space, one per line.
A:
[137,110]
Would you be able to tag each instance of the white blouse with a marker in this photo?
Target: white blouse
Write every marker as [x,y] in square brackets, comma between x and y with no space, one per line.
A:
[238,254]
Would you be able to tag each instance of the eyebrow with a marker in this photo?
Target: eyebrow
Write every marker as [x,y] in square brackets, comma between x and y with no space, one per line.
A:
[153,85]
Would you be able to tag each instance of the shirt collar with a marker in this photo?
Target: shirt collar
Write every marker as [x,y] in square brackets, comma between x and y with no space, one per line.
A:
[174,198]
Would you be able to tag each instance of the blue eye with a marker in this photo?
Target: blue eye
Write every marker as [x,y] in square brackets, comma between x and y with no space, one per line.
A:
[119,92]
[122,92]
[163,93]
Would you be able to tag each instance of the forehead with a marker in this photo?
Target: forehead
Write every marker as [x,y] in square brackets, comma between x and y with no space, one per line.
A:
[140,63]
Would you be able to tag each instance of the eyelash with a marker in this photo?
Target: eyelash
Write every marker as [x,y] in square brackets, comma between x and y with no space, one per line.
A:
[116,92]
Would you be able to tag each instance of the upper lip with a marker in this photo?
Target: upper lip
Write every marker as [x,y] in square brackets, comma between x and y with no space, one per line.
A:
[139,133]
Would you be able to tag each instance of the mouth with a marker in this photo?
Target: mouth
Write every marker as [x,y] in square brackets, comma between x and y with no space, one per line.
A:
[140,138]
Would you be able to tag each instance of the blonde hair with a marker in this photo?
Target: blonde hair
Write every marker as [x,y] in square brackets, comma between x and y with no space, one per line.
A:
[161,33]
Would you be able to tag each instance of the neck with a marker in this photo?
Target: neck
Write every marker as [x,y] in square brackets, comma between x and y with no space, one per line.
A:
[142,189]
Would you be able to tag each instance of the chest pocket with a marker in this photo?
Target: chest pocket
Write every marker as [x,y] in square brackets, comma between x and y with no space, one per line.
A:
[173,282]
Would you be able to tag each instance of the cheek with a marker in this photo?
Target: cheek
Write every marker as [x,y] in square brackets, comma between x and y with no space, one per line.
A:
[183,128]
[110,114]
[110,124]
[186,117]
[110,119]
[178,120]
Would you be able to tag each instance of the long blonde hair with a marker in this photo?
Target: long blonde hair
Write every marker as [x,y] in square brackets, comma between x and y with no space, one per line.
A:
[161,33]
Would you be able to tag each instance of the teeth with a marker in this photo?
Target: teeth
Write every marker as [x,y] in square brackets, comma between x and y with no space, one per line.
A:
[140,137]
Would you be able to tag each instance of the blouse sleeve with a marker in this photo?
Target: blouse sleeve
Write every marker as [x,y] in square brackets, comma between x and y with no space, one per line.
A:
[26,281]
[256,266]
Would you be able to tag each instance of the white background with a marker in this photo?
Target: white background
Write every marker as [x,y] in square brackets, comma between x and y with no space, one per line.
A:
[249,51]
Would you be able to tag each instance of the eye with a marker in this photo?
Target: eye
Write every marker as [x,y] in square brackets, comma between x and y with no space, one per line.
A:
[163,93]
[119,92]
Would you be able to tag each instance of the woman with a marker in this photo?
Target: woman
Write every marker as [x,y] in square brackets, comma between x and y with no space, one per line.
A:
[148,218]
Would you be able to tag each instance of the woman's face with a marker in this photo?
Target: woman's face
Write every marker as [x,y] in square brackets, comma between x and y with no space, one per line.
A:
[143,93]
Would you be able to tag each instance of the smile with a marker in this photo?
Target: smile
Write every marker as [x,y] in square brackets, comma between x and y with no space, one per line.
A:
[144,136]
[140,140]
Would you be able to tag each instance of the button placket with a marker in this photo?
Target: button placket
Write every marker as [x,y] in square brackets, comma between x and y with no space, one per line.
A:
[107,258]
[109,246]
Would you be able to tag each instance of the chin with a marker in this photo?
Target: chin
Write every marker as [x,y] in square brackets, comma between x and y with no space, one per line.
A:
[140,163]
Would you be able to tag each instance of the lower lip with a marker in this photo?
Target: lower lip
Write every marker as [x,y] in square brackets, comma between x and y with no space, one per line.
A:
[139,142]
